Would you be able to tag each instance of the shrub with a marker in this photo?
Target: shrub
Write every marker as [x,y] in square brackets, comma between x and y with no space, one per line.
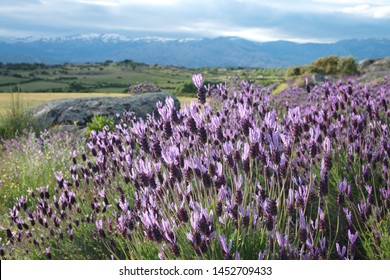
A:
[329,65]
[347,66]
[293,71]
[185,89]
[100,122]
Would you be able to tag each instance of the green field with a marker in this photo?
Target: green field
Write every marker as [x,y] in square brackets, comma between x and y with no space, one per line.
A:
[115,77]
[39,83]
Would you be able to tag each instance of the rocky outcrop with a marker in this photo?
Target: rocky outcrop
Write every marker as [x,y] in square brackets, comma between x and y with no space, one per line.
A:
[81,110]
[374,69]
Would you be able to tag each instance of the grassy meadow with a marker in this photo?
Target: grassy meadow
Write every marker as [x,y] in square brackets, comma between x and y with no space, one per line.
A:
[115,77]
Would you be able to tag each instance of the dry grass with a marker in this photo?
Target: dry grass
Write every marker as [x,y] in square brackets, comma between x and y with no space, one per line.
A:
[33,99]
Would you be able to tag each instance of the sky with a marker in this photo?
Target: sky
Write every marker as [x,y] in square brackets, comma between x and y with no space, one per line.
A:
[257,20]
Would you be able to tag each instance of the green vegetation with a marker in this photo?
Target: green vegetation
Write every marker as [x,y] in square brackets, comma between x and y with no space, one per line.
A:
[329,65]
[99,122]
[116,77]
[16,119]
[29,161]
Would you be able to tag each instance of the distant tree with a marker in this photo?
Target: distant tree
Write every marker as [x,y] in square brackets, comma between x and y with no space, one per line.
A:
[108,62]
[76,87]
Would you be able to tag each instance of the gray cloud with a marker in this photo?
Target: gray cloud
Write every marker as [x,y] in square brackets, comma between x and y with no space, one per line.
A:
[302,20]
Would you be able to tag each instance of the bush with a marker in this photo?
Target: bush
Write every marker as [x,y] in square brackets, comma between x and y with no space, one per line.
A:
[100,122]
[347,66]
[293,71]
[329,65]
[186,88]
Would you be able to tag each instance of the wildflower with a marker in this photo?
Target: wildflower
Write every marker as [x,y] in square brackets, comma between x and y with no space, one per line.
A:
[352,243]
[322,223]
[342,189]
[60,179]
[341,251]
[47,253]
[203,222]
[2,251]
[364,209]
[273,207]
[262,255]
[238,198]
[161,256]
[290,202]
[302,228]
[198,82]
[245,158]
[99,225]
[327,159]
[245,115]
[182,213]
[323,187]
[226,248]
[245,215]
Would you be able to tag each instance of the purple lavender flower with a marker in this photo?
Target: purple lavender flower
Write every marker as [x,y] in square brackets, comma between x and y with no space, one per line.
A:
[323,250]
[290,202]
[99,225]
[226,248]
[198,82]
[2,251]
[322,223]
[342,186]
[352,238]
[47,253]
[238,197]
[341,252]
[282,240]
[60,179]
[302,228]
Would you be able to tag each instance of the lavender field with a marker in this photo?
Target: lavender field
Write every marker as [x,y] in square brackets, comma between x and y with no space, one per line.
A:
[240,174]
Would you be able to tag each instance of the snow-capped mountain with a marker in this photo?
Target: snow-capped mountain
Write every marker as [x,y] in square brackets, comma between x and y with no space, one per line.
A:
[188,52]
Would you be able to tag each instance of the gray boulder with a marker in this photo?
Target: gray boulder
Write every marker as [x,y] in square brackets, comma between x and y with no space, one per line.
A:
[79,111]
[317,78]
[374,69]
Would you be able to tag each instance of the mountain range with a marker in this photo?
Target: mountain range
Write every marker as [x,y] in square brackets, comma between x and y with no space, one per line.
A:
[192,53]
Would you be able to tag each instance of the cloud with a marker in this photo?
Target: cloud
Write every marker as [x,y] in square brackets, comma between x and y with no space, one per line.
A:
[378,12]
[301,20]
[116,3]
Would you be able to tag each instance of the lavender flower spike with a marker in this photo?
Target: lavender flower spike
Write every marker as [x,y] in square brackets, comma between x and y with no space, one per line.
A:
[341,252]
[225,247]
[352,237]
[198,80]
[281,239]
